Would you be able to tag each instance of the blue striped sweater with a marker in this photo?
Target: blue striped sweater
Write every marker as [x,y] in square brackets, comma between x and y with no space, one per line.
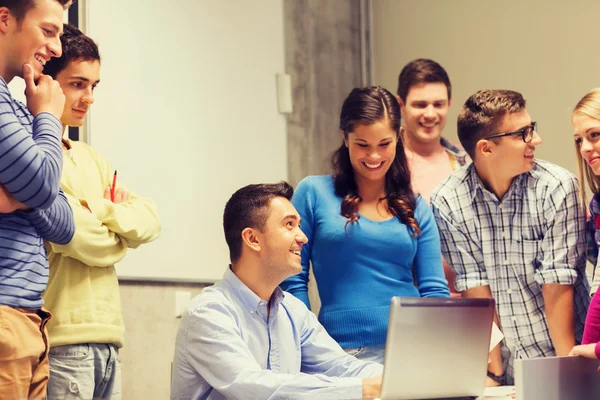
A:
[30,169]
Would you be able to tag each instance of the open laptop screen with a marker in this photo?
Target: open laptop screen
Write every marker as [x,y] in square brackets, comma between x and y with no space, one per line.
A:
[437,348]
[557,378]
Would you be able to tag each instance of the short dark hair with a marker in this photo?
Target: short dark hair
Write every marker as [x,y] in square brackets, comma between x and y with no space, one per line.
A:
[421,70]
[76,46]
[20,8]
[483,112]
[249,208]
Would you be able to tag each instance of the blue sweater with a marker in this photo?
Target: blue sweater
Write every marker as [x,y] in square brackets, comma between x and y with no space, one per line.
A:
[359,269]
[30,168]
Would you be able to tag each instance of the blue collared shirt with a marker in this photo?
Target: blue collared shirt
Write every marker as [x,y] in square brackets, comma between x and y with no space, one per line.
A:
[228,347]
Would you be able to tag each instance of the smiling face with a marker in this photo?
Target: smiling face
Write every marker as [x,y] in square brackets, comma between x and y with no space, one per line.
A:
[372,150]
[425,111]
[34,40]
[282,240]
[511,155]
[587,137]
[78,81]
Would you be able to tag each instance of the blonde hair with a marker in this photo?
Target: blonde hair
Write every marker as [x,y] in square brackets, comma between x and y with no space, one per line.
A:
[588,106]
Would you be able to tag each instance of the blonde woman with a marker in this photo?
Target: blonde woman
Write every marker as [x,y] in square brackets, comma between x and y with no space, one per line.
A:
[586,127]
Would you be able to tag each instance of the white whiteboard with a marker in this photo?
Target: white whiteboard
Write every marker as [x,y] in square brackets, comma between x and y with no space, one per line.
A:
[186,111]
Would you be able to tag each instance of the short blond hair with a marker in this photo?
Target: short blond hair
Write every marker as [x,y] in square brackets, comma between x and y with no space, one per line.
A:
[588,106]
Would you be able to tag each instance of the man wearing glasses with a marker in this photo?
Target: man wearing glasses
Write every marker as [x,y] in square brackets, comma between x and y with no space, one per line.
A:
[512,228]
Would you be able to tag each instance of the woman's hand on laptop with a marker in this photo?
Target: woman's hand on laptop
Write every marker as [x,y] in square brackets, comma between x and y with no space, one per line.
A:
[371,387]
[584,350]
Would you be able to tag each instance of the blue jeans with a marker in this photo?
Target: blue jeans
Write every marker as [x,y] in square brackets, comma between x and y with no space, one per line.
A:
[84,371]
[368,353]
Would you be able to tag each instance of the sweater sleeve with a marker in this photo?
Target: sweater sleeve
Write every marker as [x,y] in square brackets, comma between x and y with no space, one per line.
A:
[55,223]
[136,219]
[93,243]
[591,332]
[30,164]
[428,260]
[303,201]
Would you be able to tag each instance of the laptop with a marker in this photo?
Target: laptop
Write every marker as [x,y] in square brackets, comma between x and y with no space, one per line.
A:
[557,378]
[437,348]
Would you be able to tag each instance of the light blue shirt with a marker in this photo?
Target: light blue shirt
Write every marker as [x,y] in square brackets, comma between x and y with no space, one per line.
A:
[227,347]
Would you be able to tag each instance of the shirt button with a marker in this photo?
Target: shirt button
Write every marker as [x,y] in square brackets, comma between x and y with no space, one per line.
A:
[251,312]
[514,318]
[505,262]
[519,342]
[503,234]
[509,291]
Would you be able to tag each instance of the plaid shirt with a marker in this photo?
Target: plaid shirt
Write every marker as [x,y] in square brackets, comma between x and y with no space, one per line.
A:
[458,157]
[534,235]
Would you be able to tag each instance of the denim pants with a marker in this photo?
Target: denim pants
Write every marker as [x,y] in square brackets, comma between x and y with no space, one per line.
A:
[368,353]
[84,371]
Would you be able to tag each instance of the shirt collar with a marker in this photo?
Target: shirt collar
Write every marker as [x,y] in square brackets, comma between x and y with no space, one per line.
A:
[67,143]
[247,297]
[474,181]
[452,148]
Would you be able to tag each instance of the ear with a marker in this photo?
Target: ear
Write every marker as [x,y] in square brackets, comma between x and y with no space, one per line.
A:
[484,147]
[449,103]
[5,19]
[400,102]
[344,138]
[250,239]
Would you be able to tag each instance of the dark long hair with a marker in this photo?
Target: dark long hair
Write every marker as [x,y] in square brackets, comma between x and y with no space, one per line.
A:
[366,106]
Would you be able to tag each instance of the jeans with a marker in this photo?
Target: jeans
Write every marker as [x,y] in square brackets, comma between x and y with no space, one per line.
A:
[368,353]
[84,371]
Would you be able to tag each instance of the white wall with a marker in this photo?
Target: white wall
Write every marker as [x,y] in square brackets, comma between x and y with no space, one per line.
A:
[186,111]
[545,49]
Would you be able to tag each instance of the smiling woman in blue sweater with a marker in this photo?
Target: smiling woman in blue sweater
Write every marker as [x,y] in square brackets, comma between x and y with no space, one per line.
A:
[369,236]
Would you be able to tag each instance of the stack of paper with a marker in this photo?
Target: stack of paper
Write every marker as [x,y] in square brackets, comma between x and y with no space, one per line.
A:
[499,393]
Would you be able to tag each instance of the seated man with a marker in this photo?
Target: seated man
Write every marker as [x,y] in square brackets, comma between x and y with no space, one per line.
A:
[244,337]
[512,228]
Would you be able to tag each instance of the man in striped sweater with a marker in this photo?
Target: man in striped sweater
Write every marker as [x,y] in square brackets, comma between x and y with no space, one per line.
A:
[32,206]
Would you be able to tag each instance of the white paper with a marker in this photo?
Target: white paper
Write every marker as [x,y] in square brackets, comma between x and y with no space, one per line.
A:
[497,336]
[499,392]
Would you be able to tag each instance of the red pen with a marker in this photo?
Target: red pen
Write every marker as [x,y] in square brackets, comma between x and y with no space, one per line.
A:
[112,188]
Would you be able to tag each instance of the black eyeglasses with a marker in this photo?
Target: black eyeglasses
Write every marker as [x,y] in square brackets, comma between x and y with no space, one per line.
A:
[526,133]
